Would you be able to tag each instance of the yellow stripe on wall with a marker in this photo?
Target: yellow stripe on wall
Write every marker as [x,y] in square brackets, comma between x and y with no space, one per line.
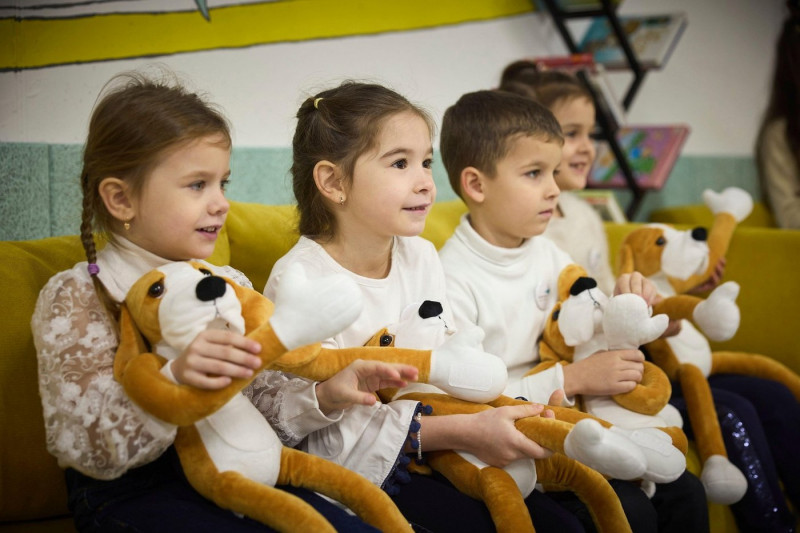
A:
[36,43]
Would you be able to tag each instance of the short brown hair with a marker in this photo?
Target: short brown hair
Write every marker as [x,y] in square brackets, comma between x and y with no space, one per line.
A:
[478,129]
[338,125]
[547,87]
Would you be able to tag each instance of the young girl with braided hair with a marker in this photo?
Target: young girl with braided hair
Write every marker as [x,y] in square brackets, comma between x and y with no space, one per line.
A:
[156,164]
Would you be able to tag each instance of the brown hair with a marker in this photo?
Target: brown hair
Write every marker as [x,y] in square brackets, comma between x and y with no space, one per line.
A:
[547,87]
[783,100]
[338,125]
[477,131]
[135,121]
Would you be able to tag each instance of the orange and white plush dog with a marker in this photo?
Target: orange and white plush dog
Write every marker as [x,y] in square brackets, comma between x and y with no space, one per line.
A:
[676,261]
[586,448]
[228,451]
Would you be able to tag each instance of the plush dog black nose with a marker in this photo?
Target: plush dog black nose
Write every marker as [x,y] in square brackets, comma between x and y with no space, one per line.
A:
[210,288]
[582,284]
[430,309]
[699,234]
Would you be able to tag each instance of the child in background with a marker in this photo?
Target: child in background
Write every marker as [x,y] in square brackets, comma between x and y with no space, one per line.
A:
[752,430]
[156,164]
[501,152]
[363,183]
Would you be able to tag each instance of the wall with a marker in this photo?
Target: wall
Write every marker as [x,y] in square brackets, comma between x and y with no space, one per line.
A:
[715,81]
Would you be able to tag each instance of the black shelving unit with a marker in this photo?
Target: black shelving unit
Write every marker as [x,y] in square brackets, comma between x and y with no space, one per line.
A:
[606,122]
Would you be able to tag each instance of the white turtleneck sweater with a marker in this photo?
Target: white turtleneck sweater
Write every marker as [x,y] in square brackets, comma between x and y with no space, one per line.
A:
[508,292]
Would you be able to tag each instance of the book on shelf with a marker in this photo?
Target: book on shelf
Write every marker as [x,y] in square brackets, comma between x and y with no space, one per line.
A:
[605,203]
[652,152]
[652,39]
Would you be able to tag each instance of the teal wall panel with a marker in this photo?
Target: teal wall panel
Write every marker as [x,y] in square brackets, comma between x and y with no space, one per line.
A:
[41,194]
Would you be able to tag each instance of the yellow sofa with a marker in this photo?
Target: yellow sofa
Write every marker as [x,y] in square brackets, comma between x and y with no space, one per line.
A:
[32,492]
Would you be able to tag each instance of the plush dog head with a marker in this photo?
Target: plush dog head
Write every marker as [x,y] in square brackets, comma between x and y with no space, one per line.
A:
[421,327]
[172,304]
[578,313]
[658,248]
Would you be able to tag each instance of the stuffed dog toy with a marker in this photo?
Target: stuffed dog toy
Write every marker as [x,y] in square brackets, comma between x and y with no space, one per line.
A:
[578,439]
[228,451]
[675,261]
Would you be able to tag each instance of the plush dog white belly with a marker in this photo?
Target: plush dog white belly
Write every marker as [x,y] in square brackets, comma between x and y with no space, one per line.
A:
[237,438]
[690,346]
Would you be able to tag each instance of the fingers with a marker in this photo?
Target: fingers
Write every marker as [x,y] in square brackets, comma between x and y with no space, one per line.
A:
[216,356]
[557,398]
[635,283]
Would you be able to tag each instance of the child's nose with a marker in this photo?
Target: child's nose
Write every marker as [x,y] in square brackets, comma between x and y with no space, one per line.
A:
[219,204]
[425,181]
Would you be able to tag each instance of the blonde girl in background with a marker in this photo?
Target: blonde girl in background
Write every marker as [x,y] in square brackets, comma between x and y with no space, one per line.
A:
[753,431]
[155,169]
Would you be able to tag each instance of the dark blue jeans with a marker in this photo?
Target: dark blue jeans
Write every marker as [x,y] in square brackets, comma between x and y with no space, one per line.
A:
[157,497]
[433,504]
[760,419]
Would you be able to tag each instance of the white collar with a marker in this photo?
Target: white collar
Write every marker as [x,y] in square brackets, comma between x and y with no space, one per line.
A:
[122,263]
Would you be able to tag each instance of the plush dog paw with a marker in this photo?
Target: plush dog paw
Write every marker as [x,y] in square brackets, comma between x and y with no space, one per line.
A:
[665,463]
[312,310]
[733,200]
[627,323]
[460,368]
[601,449]
[724,483]
[718,315]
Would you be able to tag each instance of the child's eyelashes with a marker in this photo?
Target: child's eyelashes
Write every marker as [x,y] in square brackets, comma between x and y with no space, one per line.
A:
[403,164]
[224,184]
[201,185]
[533,173]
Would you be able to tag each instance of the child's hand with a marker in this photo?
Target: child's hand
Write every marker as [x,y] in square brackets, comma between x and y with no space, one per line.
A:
[498,442]
[713,280]
[356,384]
[605,373]
[635,283]
[214,357]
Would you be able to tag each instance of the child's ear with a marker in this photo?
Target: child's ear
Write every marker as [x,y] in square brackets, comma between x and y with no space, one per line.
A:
[472,184]
[329,181]
[117,199]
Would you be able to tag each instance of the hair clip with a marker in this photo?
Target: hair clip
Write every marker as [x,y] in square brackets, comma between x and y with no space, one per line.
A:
[316,102]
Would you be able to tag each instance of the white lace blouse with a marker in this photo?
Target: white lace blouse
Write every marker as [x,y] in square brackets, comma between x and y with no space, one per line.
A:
[90,423]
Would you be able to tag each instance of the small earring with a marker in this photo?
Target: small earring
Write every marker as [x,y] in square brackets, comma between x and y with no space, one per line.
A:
[127,225]
[341,200]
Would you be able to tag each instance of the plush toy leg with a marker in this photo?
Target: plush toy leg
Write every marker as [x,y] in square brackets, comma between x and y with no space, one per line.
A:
[230,490]
[724,483]
[650,395]
[560,473]
[759,366]
[365,499]
[493,486]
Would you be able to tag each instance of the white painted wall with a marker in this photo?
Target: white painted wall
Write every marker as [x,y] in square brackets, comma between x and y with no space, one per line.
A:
[716,79]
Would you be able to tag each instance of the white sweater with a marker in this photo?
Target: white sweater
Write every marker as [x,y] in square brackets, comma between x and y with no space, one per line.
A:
[508,293]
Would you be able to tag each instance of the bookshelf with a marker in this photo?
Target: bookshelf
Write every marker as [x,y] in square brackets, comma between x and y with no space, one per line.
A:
[605,11]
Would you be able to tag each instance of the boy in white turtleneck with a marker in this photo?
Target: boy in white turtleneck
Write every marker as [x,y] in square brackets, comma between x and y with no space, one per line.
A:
[502,153]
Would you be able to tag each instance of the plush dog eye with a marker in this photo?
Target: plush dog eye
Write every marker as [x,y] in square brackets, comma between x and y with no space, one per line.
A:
[156,289]
[555,314]
[386,340]
[206,272]
[661,241]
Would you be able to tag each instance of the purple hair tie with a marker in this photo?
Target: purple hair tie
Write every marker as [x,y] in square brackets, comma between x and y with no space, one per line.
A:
[93,269]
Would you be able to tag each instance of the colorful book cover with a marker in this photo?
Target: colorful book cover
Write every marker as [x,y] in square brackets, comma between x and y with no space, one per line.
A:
[652,38]
[652,152]
[605,203]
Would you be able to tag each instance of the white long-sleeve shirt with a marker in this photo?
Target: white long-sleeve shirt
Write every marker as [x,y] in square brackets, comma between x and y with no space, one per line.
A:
[508,292]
